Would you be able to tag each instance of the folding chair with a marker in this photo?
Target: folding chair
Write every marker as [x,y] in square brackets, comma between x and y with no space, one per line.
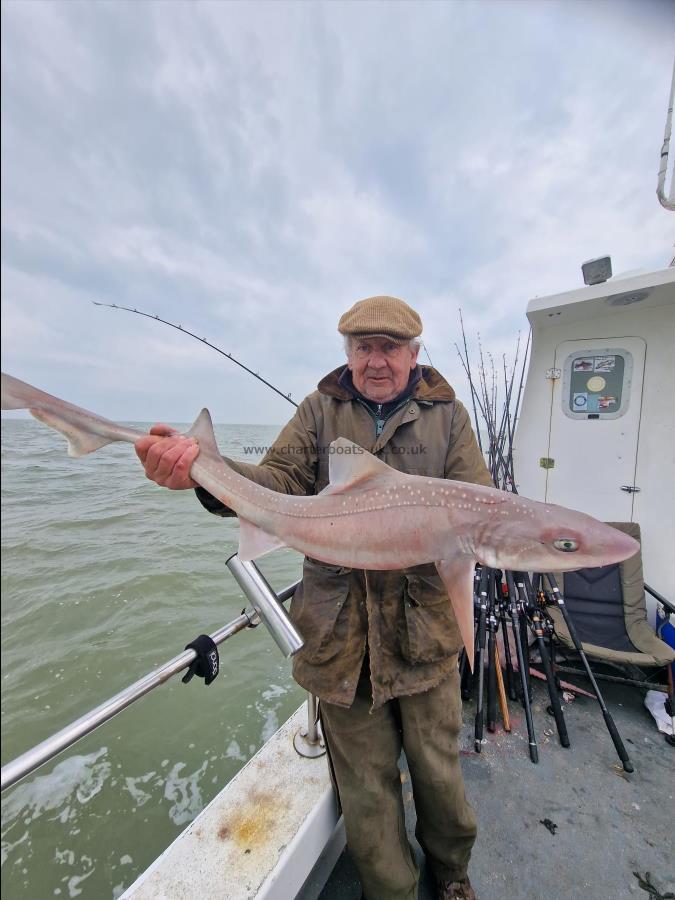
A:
[608,608]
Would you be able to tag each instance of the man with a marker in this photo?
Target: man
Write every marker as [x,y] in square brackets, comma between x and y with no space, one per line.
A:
[381,646]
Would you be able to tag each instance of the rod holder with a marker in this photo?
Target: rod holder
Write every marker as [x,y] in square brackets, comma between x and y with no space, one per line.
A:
[266,603]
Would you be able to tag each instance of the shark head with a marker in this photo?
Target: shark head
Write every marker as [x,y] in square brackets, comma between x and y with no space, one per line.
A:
[542,537]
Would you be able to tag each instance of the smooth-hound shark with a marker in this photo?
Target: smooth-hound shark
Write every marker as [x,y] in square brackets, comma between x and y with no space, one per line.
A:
[370,516]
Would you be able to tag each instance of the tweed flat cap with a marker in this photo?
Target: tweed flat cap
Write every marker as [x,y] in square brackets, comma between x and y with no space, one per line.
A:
[381,317]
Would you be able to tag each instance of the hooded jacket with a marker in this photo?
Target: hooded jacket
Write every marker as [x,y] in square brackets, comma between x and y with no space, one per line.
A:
[402,618]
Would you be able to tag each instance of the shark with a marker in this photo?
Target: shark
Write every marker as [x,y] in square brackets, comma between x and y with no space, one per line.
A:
[370,516]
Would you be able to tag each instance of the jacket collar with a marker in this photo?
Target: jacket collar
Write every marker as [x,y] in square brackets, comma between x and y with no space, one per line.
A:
[430,387]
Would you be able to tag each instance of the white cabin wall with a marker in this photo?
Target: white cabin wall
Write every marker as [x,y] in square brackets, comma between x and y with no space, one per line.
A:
[531,438]
[654,505]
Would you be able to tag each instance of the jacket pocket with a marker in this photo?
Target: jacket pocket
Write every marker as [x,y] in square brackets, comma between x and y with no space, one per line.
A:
[430,630]
[318,609]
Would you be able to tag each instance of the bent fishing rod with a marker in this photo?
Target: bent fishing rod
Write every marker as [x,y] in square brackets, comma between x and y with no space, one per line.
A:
[202,340]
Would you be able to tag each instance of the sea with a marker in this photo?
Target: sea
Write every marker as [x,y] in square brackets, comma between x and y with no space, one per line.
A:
[105,577]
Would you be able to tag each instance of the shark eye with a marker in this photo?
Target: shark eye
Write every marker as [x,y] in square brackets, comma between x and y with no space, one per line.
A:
[567,545]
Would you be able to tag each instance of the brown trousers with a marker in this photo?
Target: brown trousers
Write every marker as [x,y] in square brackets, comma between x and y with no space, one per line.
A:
[364,750]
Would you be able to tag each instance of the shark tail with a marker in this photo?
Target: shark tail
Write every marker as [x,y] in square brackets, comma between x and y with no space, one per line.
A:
[80,440]
[84,431]
[15,393]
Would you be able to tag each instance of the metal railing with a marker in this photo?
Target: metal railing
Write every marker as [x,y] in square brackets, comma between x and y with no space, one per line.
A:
[309,741]
[667,200]
[267,607]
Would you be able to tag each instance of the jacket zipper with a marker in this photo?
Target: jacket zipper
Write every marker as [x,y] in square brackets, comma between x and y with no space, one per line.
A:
[378,418]
[379,421]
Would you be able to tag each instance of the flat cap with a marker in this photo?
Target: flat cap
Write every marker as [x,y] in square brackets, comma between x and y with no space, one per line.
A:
[381,317]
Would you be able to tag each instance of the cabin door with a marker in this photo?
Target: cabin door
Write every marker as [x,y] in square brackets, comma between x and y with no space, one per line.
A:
[595,425]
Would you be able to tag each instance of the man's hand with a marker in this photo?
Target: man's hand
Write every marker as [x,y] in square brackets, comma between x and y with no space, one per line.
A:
[167,456]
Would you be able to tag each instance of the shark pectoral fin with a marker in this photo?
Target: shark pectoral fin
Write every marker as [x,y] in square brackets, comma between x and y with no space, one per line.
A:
[350,465]
[254,542]
[202,430]
[457,575]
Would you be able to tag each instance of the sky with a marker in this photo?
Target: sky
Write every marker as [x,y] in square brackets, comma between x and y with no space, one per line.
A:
[250,170]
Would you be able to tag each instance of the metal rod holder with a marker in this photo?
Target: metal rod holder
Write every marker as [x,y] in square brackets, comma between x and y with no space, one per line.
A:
[266,604]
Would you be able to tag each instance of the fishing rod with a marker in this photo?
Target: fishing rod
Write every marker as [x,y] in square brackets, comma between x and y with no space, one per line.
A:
[467,367]
[427,353]
[482,405]
[537,620]
[516,411]
[507,424]
[492,627]
[479,665]
[506,429]
[486,407]
[526,602]
[515,611]
[485,393]
[202,340]
[503,605]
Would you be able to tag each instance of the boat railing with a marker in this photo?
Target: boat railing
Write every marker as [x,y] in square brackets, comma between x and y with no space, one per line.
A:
[266,607]
[667,200]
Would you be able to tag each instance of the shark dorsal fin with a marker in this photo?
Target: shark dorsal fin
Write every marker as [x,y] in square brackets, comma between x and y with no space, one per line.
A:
[202,431]
[350,465]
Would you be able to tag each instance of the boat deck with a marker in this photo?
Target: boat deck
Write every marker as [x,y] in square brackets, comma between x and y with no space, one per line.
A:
[604,825]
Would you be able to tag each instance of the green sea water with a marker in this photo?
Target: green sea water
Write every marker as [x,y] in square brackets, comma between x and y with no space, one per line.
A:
[105,576]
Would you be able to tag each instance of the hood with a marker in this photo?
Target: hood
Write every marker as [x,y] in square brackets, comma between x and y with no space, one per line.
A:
[431,387]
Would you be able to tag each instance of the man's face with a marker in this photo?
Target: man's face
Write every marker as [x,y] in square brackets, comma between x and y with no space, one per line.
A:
[380,367]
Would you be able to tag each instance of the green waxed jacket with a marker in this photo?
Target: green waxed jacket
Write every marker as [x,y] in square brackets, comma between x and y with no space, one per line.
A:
[403,617]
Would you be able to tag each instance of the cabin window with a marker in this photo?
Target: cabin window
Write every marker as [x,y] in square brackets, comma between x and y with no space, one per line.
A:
[596,383]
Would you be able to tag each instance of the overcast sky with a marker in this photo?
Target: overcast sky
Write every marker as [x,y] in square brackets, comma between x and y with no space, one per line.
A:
[249,170]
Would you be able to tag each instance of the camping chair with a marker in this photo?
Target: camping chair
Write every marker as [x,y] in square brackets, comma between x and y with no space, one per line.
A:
[607,606]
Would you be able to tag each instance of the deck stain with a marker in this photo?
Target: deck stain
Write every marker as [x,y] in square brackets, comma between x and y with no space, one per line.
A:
[252,824]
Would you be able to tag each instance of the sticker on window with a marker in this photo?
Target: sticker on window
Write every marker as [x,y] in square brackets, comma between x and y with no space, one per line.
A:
[584,364]
[596,383]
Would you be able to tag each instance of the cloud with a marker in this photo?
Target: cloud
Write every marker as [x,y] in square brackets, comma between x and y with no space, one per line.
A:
[250,170]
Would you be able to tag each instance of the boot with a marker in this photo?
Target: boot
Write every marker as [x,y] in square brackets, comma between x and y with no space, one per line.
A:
[455,890]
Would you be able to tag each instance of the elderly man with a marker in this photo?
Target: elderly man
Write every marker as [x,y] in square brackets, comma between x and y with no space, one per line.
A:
[381,646]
